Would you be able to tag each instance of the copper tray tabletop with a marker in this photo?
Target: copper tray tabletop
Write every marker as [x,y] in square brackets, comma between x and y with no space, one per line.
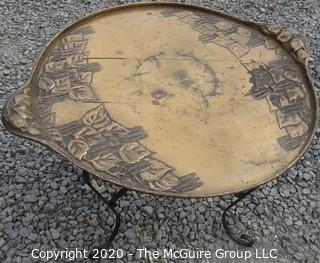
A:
[171,99]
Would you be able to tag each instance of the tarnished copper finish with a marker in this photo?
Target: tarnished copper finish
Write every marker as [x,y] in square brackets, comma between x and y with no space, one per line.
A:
[171,99]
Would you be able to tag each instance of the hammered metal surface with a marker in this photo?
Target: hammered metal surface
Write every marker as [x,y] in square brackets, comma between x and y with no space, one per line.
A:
[171,99]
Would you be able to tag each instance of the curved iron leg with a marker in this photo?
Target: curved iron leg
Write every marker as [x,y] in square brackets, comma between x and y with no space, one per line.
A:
[111,204]
[244,239]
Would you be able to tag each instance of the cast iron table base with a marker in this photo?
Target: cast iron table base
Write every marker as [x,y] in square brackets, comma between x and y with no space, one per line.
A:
[111,204]
[243,239]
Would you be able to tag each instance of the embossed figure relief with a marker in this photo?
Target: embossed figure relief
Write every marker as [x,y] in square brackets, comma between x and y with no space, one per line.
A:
[194,103]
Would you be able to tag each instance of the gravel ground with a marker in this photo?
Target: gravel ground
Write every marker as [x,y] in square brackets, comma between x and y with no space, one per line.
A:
[44,205]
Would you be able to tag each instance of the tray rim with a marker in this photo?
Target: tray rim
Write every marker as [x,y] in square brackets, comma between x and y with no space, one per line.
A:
[257,26]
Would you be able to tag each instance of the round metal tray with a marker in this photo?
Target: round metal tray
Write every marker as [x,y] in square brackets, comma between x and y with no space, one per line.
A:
[171,99]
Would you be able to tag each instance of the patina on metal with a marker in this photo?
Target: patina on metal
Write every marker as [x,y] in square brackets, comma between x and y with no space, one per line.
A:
[171,99]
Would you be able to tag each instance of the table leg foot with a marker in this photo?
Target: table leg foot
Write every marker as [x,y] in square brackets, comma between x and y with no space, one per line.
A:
[243,239]
[111,204]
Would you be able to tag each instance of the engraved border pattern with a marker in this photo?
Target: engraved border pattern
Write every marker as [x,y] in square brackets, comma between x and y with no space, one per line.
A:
[8,112]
